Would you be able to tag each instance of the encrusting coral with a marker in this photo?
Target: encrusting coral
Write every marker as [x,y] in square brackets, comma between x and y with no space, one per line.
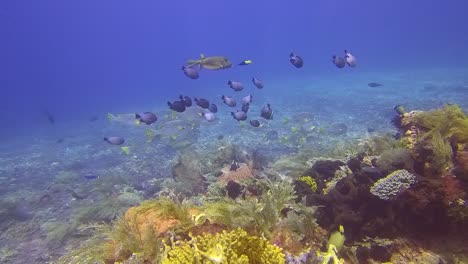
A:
[389,187]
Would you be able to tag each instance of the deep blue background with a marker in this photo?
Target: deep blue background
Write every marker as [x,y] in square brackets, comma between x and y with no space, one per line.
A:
[88,57]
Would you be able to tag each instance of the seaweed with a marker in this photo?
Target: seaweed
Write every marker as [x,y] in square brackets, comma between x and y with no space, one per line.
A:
[441,130]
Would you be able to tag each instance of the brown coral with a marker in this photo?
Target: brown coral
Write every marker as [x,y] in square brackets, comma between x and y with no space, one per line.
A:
[241,174]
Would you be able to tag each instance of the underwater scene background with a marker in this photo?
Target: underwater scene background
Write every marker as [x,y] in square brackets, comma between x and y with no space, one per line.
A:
[120,141]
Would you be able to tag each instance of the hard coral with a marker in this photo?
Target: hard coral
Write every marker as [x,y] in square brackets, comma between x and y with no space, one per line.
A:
[389,187]
[233,247]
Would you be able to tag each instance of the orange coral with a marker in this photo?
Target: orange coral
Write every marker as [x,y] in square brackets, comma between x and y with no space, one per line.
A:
[242,173]
[149,219]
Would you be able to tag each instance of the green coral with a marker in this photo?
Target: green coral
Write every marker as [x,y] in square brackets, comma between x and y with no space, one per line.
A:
[258,215]
[440,129]
[310,182]
[233,247]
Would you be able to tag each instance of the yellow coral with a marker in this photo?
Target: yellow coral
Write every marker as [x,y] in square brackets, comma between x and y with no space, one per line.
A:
[235,247]
[309,181]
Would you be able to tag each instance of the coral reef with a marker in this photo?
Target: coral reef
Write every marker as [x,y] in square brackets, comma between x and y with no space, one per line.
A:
[233,247]
[239,175]
[433,137]
[393,184]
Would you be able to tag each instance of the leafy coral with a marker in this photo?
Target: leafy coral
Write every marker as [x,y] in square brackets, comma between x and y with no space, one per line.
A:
[440,131]
[233,247]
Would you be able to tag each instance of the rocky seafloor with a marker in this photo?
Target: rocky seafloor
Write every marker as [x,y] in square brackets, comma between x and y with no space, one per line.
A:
[49,205]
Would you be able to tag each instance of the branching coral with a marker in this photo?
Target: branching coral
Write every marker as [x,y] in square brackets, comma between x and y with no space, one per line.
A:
[233,247]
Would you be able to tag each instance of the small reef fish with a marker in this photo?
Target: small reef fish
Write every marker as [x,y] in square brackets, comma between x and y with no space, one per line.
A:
[213,108]
[339,61]
[246,62]
[203,103]
[350,59]
[186,100]
[211,63]
[229,101]
[191,72]
[91,177]
[258,83]
[239,115]
[296,60]
[267,112]
[146,118]
[209,116]
[374,84]
[114,140]
[234,166]
[245,107]
[247,99]
[254,123]
[236,86]
[177,106]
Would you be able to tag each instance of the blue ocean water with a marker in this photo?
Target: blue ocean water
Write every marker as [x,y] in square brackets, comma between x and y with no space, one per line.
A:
[77,61]
[80,59]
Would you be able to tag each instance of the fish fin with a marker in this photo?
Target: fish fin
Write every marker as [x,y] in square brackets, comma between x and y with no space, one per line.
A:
[229,82]
[105,139]
[137,116]
[169,104]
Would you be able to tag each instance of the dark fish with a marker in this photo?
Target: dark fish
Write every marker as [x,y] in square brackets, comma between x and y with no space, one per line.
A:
[90,177]
[191,72]
[258,83]
[213,108]
[247,99]
[114,140]
[267,112]
[177,106]
[339,62]
[374,84]
[255,123]
[234,166]
[186,100]
[296,60]
[210,117]
[229,101]
[239,115]
[203,103]
[49,116]
[236,86]
[146,118]
[350,59]
[245,107]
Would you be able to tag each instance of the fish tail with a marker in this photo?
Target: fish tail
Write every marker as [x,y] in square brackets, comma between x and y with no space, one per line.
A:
[190,63]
